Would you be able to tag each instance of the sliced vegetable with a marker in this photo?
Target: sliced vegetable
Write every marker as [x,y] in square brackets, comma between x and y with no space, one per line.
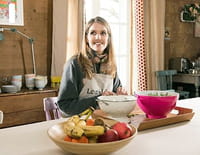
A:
[68,138]
[90,122]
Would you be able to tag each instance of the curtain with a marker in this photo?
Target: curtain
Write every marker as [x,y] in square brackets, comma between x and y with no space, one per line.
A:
[138,75]
[75,26]
[59,37]
[67,32]
[154,38]
[147,42]
[142,80]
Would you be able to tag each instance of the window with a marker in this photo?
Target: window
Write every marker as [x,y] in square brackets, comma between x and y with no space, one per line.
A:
[116,12]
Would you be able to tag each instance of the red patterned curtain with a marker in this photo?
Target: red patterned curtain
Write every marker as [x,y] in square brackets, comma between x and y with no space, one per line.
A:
[139,21]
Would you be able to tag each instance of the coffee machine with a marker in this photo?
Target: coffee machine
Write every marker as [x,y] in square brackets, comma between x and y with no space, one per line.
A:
[182,65]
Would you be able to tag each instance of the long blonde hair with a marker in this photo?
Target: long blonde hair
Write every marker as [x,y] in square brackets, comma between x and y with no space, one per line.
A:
[83,59]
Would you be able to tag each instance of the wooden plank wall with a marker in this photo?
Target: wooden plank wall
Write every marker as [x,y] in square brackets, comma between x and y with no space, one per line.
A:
[182,41]
[15,50]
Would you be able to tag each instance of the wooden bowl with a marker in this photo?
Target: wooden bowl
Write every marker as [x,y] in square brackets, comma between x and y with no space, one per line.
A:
[56,134]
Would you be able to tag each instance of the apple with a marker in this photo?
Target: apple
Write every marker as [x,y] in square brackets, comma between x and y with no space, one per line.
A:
[109,136]
[123,129]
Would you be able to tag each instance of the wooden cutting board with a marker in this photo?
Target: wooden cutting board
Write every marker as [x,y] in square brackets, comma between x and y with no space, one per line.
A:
[183,114]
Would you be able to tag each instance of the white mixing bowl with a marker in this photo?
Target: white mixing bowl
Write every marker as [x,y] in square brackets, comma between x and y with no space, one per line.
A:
[117,105]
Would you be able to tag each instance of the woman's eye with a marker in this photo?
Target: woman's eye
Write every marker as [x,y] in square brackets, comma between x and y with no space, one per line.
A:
[103,33]
[93,33]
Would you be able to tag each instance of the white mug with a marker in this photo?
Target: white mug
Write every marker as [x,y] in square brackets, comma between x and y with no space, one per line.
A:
[29,80]
[40,82]
[17,81]
[1,117]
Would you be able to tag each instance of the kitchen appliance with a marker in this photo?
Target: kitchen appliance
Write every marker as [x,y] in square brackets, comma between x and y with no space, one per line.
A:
[182,65]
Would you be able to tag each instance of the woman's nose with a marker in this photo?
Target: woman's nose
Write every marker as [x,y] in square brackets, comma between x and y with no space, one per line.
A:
[97,36]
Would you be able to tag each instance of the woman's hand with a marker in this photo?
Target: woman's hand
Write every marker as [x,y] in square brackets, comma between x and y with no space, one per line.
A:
[121,91]
[107,93]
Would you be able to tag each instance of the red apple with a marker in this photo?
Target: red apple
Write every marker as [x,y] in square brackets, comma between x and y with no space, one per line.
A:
[123,129]
[109,136]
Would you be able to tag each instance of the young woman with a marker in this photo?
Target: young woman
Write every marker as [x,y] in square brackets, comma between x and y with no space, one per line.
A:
[90,73]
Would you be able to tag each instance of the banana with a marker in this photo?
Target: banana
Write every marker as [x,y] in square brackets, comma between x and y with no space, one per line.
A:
[75,119]
[76,126]
[69,123]
[77,132]
[89,114]
[81,123]
[90,131]
[68,126]
[85,112]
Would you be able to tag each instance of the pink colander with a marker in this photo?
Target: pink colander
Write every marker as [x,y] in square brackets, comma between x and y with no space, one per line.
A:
[157,104]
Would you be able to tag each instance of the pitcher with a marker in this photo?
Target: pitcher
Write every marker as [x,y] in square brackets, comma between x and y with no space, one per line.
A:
[1,117]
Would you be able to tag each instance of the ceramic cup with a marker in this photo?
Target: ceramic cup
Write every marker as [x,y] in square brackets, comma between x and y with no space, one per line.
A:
[1,117]
[29,81]
[17,81]
[40,82]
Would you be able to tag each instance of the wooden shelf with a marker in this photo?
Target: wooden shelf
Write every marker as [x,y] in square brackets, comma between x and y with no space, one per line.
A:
[24,107]
[25,91]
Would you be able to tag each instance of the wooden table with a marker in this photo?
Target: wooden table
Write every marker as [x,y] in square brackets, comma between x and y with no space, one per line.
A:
[177,139]
[188,79]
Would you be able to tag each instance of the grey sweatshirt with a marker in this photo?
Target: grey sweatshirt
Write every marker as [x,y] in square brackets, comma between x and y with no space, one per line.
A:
[69,101]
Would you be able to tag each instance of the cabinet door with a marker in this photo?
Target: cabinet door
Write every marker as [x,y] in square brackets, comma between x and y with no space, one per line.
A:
[23,108]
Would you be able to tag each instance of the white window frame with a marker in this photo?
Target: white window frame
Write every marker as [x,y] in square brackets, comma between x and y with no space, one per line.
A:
[92,9]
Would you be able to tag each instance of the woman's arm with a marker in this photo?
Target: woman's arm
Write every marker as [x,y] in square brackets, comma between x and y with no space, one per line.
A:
[70,88]
[117,88]
[116,83]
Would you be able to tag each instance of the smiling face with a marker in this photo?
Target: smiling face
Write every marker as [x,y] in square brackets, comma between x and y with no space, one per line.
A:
[97,37]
